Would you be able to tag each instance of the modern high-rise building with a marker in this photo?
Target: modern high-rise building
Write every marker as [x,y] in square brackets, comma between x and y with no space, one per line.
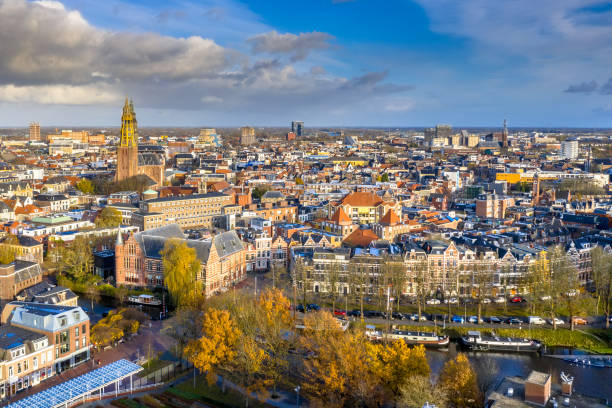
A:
[247,136]
[569,149]
[35,131]
[297,127]
[127,151]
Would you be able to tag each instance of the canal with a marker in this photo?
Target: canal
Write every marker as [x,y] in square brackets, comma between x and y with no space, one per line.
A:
[590,381]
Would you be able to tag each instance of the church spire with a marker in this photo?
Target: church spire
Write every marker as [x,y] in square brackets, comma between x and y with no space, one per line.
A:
[129,126]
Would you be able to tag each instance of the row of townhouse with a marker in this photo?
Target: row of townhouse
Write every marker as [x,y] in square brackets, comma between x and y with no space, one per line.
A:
[38,341]
[444,268]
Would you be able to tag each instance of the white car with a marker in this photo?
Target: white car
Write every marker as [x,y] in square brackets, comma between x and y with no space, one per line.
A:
[452,301]
[433,301]
[535,320]
[486,300]
[500,299]
[415,317]
[547,297]
[556,320]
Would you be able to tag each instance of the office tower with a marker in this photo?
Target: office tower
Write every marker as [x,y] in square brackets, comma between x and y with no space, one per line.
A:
[247,136]
[504,138]
[443,131]
[127,151]
[569,149]
[35,131]
[297,127]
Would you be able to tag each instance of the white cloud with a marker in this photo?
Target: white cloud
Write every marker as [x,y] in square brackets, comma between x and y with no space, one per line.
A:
[59,94]
[399,105]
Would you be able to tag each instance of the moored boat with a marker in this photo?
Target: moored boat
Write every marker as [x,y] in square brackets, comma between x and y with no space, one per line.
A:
[476,341]
[427,339]
[148,300]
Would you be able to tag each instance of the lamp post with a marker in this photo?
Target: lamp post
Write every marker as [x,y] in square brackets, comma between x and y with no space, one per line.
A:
[297,391]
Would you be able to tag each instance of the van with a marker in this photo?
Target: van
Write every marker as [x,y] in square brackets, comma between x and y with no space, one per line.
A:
[535,320]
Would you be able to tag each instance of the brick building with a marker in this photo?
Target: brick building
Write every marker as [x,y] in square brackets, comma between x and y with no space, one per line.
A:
[17,276]
[190,211]
[138,260]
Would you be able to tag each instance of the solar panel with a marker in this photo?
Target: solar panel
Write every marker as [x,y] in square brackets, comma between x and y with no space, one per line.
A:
[79,386]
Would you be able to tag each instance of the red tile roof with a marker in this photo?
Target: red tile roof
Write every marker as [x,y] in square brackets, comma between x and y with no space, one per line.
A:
[361,238]
[340,217]
[362,199]
[390,218]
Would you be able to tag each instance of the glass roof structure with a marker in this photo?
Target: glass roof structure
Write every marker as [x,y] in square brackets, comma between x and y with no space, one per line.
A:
[72,390]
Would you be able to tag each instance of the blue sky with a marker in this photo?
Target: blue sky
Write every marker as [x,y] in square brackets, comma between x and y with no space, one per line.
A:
[329,63]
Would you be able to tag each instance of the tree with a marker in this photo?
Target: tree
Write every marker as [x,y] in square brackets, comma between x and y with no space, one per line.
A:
[217,345]
[333,278]
[109,218]
[339,374]
[458,378]
[384,178]
[183,328]
[395,362]
[249,363]
[602,279]
[121,293]
[417,390]
[181,267]
[565,286]
[85,186]
[258,191]
[7,254]
[93,294]
[274,324]
[421,282]
[481,281]
[78,258]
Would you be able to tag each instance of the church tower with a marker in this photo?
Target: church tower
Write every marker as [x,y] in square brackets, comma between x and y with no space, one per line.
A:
[127,151]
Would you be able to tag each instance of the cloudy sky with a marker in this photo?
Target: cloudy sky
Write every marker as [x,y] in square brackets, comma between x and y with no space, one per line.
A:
[326,62]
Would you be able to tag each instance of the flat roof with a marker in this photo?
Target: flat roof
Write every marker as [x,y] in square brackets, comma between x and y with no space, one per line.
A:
[76,388]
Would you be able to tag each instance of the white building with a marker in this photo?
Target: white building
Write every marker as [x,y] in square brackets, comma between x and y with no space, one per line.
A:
[569,149]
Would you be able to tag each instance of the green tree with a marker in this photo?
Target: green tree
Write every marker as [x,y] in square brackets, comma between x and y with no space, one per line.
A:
[85,186]
[109,218]
[384,178]
[602,279]
[181,267]
[78,258]
[258,191]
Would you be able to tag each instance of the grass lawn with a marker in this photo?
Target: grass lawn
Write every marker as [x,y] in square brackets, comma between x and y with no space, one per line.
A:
[153,365]
[213,394]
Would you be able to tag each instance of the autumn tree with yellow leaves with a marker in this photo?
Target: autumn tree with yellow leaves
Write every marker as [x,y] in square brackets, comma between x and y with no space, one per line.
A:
[459,380]
[217,345]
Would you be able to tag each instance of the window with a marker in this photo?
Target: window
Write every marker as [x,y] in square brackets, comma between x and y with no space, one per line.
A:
[10,371]
[18,368]
[76,344]
[84,341]
[76,331]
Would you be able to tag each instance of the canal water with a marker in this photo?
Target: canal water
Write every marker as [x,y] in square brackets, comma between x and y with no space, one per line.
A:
[590,381]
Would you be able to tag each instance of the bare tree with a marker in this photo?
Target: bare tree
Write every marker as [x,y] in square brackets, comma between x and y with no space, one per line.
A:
[602,278]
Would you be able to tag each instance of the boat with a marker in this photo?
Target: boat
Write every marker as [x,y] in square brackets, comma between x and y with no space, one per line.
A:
[426,339]
[590,361]
[476,341]
[148,300]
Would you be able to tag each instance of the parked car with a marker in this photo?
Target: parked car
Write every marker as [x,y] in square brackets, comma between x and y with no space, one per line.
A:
[547,297]
[556,320]
[493,319]
[354,313]
[517,299]
[452,301]
[486,300]
[457,319]
[313,307]
[433,301]
[300,308]
[579,320]
[340,313]
[415,317]
[397,316]
[475,320]
[499,299]
[535,320]
[513,320]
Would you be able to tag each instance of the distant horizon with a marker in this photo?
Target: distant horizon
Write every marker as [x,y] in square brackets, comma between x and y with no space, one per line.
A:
[315,127]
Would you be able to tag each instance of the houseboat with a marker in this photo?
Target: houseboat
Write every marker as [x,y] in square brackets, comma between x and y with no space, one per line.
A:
[147,300]
[427,339]
[476,341]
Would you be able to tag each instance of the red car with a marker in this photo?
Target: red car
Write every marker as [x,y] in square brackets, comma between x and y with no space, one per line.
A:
[517,299]
[339,312]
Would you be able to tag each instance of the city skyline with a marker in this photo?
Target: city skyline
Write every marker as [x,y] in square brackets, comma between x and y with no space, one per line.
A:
[328,63]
